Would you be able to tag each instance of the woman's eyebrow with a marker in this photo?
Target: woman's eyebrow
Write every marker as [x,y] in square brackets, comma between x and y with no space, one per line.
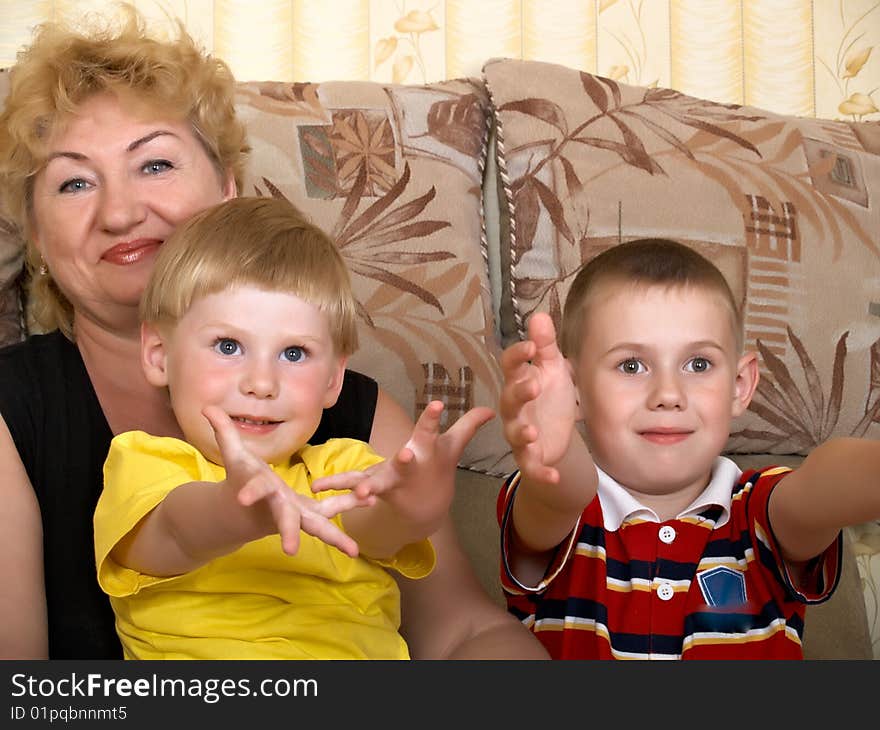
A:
[131,147]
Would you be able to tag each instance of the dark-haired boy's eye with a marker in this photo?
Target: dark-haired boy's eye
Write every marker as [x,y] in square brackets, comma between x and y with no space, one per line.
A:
[631,367]
[699,365]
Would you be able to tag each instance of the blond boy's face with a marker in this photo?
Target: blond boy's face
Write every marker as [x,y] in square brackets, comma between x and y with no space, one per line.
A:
[265,358]
[659,380]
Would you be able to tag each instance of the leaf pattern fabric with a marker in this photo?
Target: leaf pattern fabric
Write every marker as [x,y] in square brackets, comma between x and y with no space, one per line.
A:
[783,205]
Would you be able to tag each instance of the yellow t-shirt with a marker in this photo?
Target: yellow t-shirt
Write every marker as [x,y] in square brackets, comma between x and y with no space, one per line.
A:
[257,602]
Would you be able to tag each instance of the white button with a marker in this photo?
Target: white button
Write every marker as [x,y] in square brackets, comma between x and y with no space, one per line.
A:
[665,591]
[667,534]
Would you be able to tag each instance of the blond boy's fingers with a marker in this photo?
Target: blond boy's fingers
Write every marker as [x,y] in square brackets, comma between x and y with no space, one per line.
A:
[340,481]
[288,521]
[338,503]
[319,526]
[260,486]
[464,429]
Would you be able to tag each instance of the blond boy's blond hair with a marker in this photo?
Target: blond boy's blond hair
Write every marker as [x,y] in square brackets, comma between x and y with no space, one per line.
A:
[261,242]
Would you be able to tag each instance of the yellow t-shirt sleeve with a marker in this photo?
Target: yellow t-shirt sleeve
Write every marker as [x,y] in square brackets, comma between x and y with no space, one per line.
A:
[140,470]
[414,561]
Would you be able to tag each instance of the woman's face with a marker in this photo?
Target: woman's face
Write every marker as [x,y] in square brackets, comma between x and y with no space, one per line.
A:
[113,189]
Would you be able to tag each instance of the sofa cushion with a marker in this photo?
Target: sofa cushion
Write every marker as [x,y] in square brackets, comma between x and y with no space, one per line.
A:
[394,173]
[786,207]
[11,260]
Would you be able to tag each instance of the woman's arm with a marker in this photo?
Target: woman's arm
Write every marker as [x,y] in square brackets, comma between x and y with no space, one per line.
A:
[23,620]
[448,615]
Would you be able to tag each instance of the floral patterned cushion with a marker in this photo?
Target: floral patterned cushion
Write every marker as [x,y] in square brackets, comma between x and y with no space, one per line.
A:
[787,207]
[394,174]
[11,260]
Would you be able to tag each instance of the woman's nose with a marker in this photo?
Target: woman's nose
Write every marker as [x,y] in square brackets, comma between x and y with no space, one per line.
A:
[120,207]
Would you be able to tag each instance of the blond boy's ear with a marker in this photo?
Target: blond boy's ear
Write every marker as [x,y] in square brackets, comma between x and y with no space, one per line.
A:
[745,383]
[334,386]
[153,357]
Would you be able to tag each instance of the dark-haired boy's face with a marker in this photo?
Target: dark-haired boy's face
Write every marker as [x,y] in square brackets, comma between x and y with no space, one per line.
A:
[660,380]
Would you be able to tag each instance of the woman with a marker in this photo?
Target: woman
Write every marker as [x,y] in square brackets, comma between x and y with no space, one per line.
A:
[108,141]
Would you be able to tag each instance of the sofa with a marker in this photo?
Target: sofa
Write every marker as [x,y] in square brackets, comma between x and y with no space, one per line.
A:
[464,206]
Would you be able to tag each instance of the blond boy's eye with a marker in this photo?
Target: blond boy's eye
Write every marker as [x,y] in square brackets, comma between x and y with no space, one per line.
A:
[294,354]
[226,346]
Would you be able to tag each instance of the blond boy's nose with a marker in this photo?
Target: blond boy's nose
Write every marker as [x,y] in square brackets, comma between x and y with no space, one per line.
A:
[261,381]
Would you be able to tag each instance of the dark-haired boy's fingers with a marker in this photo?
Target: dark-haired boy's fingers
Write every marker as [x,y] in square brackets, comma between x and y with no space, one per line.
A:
[515,359]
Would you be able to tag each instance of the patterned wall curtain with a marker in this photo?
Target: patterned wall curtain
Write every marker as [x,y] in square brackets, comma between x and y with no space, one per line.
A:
[790,56]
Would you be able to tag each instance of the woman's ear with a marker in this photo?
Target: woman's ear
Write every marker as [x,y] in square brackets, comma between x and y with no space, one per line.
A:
[153,358]
[745,383]
[230,189]
[334,385]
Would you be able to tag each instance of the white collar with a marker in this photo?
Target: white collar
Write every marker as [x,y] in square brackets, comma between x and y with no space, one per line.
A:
[618,504]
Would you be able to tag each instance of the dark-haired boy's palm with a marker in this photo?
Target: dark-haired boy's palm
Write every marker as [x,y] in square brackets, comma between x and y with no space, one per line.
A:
[538,403]
[250,480]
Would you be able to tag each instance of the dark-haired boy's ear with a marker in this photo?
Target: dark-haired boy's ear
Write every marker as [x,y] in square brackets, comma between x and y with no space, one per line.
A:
[746,382]
[334,386]
[153,356]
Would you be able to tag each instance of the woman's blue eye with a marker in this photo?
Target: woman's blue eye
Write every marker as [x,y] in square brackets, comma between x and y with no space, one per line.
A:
[154,167]
[73,186]
[226,346]
[294,354]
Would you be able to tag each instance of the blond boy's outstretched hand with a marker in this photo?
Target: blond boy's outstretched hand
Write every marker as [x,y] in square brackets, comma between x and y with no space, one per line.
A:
[538,403]
[250,480]
[414,488]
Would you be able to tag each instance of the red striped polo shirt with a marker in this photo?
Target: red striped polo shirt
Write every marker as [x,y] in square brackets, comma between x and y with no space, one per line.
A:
[709,584]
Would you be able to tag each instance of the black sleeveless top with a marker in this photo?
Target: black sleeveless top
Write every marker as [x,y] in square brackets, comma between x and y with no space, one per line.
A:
[62,436]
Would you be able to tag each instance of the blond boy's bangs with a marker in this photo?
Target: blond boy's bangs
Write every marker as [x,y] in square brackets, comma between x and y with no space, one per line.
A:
[252,242]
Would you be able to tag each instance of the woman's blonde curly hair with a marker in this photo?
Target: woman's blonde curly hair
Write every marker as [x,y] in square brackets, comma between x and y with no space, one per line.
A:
[61,69]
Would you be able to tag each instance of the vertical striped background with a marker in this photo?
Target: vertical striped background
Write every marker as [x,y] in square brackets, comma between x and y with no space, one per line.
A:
[789,56]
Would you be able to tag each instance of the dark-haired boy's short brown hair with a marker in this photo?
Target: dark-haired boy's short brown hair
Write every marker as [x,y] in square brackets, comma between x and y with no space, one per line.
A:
[641,263]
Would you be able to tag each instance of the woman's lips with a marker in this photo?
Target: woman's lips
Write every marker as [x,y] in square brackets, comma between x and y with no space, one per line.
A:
[132,252]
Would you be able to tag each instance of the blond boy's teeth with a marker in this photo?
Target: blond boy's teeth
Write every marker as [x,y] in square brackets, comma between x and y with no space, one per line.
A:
[251,421]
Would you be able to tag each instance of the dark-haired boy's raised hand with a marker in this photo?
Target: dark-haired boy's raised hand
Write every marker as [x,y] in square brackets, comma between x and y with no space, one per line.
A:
[538,403]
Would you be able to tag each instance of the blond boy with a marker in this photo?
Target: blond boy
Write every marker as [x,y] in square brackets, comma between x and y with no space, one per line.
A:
[639,540]
[226,543]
